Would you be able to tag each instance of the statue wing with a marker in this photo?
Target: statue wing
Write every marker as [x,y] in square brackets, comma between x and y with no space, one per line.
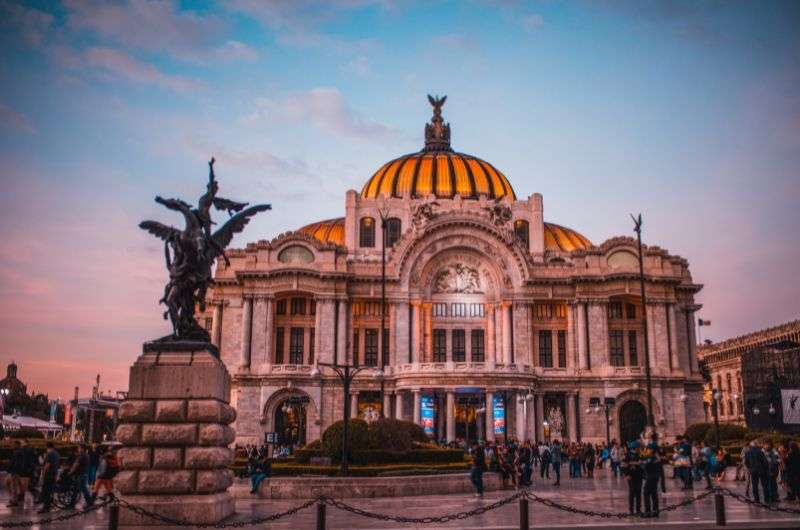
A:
[442,100]
[236,224]
[229,205]
[431,100]
[160,230]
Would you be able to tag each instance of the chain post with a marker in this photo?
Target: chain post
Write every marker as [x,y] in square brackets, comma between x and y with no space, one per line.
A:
[719,507]
[113,517]
[523,514]
[320,515]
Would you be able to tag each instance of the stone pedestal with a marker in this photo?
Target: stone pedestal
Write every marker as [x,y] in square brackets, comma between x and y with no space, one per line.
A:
[175,432]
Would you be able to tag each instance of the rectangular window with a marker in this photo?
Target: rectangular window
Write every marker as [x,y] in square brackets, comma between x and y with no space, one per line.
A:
[633,352]
[562,348]
[298,306]
[630,311]
[459,346]
[440,310]
[458,310]
[280,307]
[296,346]
[478,348]
[393,229]
[615,310]
[545,348]
[355,346]
[615,347]
[279,345]
[439,345]
[371,347]
[477,310]
[311,351]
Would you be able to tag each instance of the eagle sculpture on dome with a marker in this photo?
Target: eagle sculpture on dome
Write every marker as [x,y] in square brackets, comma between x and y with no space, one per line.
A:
[190,253]
[437,132]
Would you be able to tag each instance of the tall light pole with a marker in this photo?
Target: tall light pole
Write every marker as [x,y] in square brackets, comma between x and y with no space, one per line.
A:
[346,373]
[637,221]
[383,213]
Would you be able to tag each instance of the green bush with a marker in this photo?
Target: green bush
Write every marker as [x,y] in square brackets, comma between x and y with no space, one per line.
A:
[414,456]
[359,438]
[697,431]
[727,431]
[415,431]
[390,435]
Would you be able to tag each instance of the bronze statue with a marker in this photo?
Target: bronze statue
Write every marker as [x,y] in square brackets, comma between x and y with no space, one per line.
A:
[190,254]
[437,132]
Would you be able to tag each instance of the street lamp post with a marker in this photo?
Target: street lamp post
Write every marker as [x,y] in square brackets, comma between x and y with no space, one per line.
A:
[650,418]
[383,214]
[716,396]
[346,373]
[608,404]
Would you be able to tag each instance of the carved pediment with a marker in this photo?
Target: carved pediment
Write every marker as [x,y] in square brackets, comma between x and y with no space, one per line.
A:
[458,278]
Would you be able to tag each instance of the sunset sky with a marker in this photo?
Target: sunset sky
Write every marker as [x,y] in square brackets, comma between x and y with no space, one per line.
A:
[686,111]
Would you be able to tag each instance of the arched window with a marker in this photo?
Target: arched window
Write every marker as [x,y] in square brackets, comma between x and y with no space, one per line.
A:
[521,230]
[393,230]
[366,232]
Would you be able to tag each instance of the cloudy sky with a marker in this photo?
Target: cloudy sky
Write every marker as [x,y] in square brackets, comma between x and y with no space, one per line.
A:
[687,111]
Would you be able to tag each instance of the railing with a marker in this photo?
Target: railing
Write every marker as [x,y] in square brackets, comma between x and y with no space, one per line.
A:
[523,497]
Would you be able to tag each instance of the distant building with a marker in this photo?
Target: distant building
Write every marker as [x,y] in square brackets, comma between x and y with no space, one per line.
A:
[724,363]
[11,382]
[771,377]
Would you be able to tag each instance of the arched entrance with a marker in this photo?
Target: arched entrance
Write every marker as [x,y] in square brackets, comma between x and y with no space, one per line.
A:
[290,421]
[632,420]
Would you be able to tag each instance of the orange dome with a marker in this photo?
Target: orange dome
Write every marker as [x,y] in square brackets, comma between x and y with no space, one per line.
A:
[556,237]
[440,173]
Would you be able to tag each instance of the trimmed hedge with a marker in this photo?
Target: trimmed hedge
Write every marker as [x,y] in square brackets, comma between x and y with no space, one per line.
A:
[385,434]
[697,431]
[381,456]
[727,431]
[280,469]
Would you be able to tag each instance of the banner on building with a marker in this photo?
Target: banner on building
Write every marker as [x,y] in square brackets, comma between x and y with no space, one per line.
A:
[426,414]
[791,405]
[499,416]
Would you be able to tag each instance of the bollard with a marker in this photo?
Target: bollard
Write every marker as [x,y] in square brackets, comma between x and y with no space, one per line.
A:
[719,506]
[321,516]
[523,514]
[113,517]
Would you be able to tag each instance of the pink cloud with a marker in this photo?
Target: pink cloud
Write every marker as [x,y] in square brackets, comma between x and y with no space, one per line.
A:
[126,67]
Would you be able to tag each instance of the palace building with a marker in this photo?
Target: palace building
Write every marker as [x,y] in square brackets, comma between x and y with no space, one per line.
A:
[496,322]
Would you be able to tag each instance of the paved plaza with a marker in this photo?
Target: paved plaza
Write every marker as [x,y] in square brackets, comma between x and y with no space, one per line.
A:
[603,493]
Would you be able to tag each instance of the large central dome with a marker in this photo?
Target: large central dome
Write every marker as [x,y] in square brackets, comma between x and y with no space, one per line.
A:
[438,170]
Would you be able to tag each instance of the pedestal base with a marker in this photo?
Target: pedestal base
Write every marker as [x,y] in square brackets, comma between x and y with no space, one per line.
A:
[197,509]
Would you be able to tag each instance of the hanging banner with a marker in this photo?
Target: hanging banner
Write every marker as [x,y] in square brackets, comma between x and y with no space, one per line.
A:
[426,414]
[790,398]
[499,416]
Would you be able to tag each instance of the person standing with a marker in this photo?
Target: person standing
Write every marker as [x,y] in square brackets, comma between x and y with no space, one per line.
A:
[478,467]
[653,475]
[52,462]
[589,458]
[616,455]
[555,459]
[634,475]
[757,465]
[793,472]
[773,468]
[525,459]
[545,455]
[94,463]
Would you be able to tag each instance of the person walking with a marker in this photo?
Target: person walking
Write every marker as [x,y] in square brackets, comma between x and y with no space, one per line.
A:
[478,467]
[79,473]
[52,463]
[106,471]
[616,455]
[545,455]
[773,469]
[589,458]
[757,465]
[94,462]
[555,459]
[525,460]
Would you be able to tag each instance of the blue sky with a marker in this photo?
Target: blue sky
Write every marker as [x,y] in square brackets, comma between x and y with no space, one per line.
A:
[686,111]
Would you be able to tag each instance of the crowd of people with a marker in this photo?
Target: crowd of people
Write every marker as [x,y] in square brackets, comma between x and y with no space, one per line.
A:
[88,471]
[642,466]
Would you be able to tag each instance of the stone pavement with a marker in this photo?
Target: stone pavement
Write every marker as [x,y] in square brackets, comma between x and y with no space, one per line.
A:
[601,493]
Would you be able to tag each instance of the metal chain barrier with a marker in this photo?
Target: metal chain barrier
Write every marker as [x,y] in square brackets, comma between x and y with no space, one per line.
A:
[421,520]
[63,516]
[744,499]
[608,515]
[233,524]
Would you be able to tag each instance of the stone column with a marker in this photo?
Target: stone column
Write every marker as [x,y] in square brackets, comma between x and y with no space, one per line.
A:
[416,394]
[539,417]
[354,404]
[450,414]
[572,427]
[675,359]
[571,321]
[387,404]
[398,405]
[269,326]
[416,339]
[428,320]
[491,356]
[342,353]
[580,332]
[247,328]
[174,427]
[522,417]
[401,346]
[506,318]
[318,314]
[489,416]
[258,338]
[216,325]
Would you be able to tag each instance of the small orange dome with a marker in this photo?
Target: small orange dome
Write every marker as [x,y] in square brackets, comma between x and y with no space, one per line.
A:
[328,231]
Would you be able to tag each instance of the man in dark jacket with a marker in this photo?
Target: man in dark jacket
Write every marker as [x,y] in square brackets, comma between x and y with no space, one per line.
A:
[478,466]
[756,463]
[653,476]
